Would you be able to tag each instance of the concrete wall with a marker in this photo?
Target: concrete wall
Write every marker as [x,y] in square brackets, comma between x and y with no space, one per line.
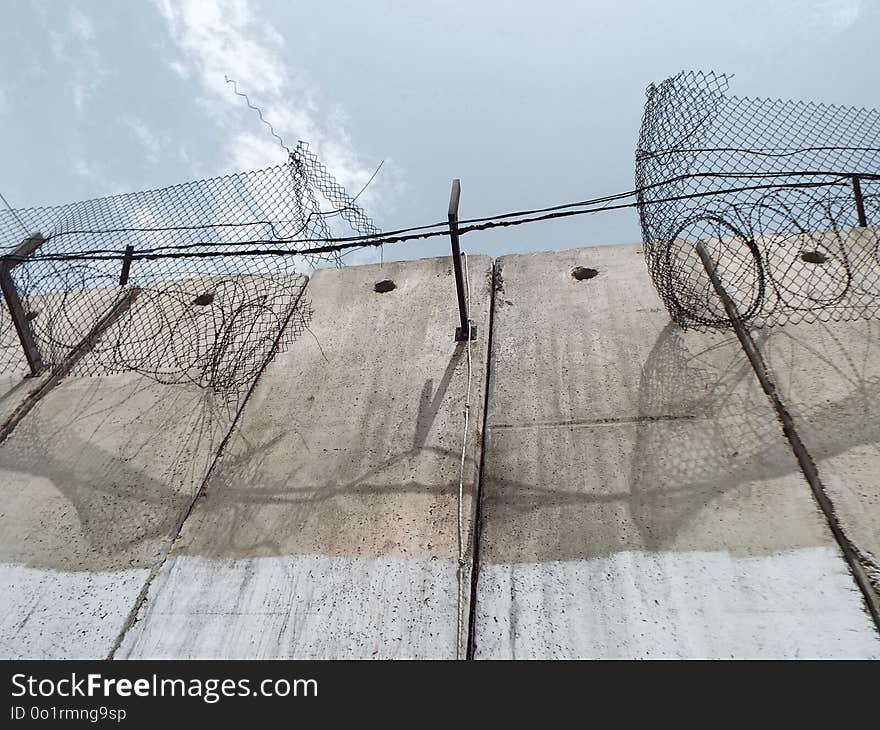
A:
[639,496]
[95,482]
[828,375]
[15,384]
[330,527]
[640,499]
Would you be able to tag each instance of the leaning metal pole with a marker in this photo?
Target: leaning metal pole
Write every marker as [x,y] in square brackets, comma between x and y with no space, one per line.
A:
[808,466]
[466,330]
[13,301]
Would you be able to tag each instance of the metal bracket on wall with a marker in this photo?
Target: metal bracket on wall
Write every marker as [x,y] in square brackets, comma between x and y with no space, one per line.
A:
[467,330]
[860,202]
[13,301]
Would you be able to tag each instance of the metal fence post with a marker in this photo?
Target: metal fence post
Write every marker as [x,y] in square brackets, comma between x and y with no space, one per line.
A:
[860,203]
[126,265]
[466,330]
[13,301]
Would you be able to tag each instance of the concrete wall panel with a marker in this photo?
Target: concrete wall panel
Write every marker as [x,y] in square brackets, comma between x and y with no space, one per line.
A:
[94,483]
[330,528]
[828,377]
[640,499]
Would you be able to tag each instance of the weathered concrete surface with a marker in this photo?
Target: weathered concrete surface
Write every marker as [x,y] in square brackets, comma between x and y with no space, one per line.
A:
[15,381]
[640,499]
[330,527]
[211,330]
[16,385]
[841,279]
[827,369]
[166,333]
[828,378]
[94,484]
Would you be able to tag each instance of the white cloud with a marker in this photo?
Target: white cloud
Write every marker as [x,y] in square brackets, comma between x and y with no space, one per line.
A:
[841,14]
[76,49]
[58,45]
[4,101]
[223,37]
[102,182]
[179,68]
[80,91]
[148,140]
[82,25]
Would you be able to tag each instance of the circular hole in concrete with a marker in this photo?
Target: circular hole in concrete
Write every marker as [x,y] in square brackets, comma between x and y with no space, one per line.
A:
[814,257]
[582,272]
[203,300]
[386,285]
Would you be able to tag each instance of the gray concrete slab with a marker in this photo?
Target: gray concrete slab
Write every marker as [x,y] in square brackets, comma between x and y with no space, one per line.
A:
[826,365]
[210,330]
[330,528]
[828,377]
[94,483]
[15,380]
[640,499]
[838,279]
[16,384]
[803,277]
[97,478]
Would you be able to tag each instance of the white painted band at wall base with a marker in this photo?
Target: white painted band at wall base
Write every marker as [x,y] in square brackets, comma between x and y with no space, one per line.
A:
[55,614]
[299,606]
[802,603]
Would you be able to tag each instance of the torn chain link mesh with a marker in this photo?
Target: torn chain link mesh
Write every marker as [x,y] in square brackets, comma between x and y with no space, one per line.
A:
[211,320]
[788,239]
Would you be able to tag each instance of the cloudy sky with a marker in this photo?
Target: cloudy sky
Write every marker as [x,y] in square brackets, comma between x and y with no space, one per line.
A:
[530,104]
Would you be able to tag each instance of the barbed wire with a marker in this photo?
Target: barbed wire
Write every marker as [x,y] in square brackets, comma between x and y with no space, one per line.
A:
[219,264]
[784,252]
[259,113]
[343,243]
[209,320]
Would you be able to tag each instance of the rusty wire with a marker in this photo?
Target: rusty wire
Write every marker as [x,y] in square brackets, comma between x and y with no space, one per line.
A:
[770,188]
[789,242]
[208,320]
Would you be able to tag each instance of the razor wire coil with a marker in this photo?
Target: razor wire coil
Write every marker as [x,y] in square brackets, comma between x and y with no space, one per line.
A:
[771,188]
[207,320]
[785,253]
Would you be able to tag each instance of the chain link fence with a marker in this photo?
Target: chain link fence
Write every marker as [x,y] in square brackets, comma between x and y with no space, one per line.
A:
[181,270]
[201,282]
[782,195]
